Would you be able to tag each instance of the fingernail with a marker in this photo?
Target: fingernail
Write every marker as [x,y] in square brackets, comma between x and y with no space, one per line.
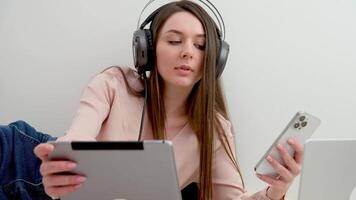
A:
[77,186]
[50,147]
[71,165]
[279,147]
[81,179]
[291,141]
[269,158]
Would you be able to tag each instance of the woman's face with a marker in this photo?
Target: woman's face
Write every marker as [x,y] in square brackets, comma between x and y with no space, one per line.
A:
[180,50]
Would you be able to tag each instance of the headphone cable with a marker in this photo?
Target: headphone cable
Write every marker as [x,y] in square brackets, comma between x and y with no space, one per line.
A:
[144,105]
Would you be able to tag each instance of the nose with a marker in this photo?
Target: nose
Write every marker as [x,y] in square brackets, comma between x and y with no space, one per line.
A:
[187,50]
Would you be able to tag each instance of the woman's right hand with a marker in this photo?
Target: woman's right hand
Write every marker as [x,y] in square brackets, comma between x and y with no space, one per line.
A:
[56,181]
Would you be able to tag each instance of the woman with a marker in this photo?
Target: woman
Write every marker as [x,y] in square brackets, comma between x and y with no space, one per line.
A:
[185,105]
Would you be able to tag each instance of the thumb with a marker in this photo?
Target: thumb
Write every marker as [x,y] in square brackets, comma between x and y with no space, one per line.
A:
[43,150]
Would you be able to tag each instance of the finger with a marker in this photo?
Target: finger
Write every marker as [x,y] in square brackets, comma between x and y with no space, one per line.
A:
[298,148]
[43,150]
[291,164]
[62,191]
[52,167]
[63,180]
[271,180]
[280,169]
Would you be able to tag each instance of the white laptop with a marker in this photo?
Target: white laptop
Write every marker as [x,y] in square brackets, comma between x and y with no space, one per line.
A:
[329,170]
[122,170]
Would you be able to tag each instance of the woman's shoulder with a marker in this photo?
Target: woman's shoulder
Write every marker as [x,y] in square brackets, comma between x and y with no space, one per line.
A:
[117,74]
[225,123]
[223,132]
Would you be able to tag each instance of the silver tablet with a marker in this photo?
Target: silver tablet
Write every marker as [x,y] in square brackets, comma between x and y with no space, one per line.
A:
[122,170]
[328,171]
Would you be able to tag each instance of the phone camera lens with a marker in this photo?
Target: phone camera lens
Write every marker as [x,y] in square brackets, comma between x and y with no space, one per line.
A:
[296,125]
[304,124]
[302,118]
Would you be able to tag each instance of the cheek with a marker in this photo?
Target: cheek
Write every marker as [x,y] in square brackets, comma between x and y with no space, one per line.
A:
[201,63]
[163,54]
[162,59]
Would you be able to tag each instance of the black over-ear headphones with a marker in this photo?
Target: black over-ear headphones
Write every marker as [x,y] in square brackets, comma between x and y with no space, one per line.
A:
[143,47]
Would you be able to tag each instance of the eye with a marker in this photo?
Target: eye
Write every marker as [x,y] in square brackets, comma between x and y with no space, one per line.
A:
[200,46]
[174,42]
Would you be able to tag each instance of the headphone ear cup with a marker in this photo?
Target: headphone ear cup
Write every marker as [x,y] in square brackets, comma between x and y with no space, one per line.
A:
[150,50]
[222,58]
[142,49]
[139,49]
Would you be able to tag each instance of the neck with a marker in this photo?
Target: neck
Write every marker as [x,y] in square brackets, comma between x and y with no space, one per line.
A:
[175,100]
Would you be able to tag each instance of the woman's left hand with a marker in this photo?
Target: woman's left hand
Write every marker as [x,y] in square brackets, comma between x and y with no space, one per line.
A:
[278,186]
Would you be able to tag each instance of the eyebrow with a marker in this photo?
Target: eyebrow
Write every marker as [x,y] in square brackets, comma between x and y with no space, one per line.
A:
[181,33]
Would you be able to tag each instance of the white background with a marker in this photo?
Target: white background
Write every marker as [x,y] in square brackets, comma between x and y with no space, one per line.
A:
[285,56]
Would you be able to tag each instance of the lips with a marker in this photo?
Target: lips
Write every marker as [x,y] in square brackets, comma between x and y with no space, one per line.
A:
[184,67]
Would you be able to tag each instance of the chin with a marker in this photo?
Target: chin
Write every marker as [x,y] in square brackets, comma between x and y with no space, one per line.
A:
[183,83]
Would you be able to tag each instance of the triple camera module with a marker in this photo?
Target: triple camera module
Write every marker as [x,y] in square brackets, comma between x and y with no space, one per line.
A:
[302,122]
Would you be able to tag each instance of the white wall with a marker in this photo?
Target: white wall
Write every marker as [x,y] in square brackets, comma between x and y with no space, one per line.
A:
[285,56]
[289,56]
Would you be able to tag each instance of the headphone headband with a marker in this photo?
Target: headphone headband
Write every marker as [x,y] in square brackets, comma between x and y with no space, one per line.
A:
[207,3]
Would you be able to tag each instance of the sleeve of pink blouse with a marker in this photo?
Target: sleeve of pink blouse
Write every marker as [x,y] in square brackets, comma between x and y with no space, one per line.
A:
[227,183]
[94,107]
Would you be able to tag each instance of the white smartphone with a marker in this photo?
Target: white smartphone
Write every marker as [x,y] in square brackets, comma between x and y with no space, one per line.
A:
[301,127]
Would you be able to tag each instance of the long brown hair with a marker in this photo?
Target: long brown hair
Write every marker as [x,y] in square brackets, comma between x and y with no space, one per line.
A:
[203,108]
[206,103]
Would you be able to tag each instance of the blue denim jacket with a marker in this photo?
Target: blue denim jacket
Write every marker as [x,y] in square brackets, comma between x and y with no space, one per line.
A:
[19,167]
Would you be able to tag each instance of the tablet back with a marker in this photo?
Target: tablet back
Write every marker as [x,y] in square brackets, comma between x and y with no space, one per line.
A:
[122,170]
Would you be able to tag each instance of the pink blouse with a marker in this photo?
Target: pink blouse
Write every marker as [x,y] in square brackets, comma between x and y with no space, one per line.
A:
[107,111]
